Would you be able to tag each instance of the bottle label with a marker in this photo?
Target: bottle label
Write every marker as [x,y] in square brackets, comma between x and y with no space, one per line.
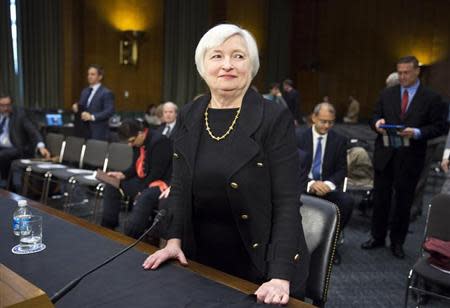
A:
[16,222]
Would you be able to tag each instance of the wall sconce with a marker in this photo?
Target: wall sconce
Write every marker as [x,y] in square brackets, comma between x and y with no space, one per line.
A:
[129,47]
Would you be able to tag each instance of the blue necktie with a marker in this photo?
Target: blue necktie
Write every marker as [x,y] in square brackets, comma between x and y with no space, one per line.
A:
[2,125]
[317,163]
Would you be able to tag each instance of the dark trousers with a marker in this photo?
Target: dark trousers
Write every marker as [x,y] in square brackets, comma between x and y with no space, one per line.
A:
[401,180]
[7,155]
[144,210]
[112,198]
[345,204]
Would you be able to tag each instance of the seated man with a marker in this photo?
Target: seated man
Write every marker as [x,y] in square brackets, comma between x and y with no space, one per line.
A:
[327,161]
[148,174]
[19,137]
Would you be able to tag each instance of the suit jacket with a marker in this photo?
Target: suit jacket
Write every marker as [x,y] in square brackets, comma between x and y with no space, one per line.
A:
[426,112]
[263,183]
[102,107]
[292,99]
[334,164]
[23,133]
[158,159]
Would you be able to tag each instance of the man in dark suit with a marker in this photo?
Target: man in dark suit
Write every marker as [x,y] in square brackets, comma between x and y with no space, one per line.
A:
[95,107]
[18,136]
[398,168]
[169,119]
[149,173]
[292,98]
[327,161]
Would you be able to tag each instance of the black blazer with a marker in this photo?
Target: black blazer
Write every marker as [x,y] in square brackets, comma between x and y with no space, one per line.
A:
[23,133]
[102,107]
[334,165]
[427,112]
[263,183]
[158,160]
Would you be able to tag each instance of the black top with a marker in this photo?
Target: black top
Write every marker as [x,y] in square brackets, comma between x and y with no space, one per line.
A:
[217,237]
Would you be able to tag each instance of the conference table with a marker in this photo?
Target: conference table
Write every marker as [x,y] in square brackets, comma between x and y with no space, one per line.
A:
[74,246]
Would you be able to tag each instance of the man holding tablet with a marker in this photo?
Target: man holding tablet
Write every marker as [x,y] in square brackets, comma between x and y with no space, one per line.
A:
[412,114]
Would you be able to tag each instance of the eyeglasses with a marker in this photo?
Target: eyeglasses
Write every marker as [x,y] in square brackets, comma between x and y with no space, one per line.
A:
[323,122]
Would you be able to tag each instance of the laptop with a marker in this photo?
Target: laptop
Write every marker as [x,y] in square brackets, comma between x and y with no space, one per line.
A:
[54,119]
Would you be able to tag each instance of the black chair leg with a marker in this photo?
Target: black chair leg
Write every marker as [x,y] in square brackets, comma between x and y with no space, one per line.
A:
[408,283]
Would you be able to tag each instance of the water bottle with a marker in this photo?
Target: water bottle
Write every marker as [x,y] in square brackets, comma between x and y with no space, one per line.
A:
[21,215]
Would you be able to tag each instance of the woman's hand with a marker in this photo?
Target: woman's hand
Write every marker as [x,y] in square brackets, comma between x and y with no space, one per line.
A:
[275,291]
[171,251]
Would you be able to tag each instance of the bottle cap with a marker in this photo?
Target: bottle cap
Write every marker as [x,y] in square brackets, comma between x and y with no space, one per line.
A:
[22,203]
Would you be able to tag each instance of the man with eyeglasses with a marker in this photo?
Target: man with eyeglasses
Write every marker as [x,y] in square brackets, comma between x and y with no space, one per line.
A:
[18,136]
[327,161]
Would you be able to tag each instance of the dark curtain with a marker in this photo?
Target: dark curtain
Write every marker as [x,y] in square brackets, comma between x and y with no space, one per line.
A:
[279,36]
[41,45]
[185,23]
[7,76]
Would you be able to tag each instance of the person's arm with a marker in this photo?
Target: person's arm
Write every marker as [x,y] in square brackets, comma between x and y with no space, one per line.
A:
[283,159]
[437,119]
[108,107]
[160,159]
[338,176]
[130,172]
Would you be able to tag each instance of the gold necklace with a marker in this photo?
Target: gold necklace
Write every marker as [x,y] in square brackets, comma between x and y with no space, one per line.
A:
[208,129]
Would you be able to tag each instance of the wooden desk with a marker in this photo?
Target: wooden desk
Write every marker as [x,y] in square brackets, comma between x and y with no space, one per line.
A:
[210,273]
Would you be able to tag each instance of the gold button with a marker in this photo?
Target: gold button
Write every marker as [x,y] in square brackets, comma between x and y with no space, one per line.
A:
[234,185]
[255,245]
[244,217]
[259,164]
[296,257]
[175,155]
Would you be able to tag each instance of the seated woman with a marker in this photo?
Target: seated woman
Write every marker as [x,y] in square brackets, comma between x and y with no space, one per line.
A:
[150,168]
[235,193]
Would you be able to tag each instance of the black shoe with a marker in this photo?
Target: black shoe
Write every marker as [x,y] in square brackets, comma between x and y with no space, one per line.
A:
[372,243]
[397,251]
[337,258]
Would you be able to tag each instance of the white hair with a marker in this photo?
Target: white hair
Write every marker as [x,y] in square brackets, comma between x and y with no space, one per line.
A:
[219,34]
[392,80]
[170,104]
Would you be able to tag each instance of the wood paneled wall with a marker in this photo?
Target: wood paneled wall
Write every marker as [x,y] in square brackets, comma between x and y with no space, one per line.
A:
[93,32]
[348,47]
[338,47]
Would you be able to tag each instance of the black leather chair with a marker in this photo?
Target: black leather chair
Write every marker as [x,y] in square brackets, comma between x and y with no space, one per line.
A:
[320,219]
[423,275]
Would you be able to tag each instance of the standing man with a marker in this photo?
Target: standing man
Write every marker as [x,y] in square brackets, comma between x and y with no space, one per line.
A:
[327,162]
[169,119]
[95,107]
[292,98]
[19,138]
[397,169]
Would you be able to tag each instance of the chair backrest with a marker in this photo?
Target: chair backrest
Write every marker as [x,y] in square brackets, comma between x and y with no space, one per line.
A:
[320,220]
[54,142]
[95,154]
[439,217]
[120,156]
[73,150]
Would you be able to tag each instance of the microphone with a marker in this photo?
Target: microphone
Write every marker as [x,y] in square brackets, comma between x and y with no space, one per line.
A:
[67,288]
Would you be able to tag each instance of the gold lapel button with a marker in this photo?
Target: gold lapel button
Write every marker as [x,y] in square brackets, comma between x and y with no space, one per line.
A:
[244,216]
[260,164]
[255,245]
[175,155]
[296,257]
[234,185]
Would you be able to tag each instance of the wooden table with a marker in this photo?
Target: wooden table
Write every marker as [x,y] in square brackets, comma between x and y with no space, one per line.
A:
[210,273]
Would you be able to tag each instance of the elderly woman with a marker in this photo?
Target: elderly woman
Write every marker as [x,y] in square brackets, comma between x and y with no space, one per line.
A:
[235,183]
